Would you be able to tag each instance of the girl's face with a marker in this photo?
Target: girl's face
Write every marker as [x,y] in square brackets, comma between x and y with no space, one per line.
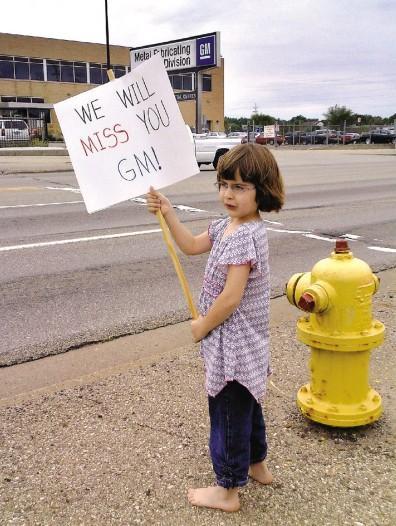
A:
[239,199]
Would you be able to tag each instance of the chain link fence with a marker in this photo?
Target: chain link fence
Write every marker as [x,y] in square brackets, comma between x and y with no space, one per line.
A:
[310,134]
[16,131]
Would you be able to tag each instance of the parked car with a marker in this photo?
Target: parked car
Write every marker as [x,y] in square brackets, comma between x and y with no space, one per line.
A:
[208,150]
[216,134]
[344,138]
[237,134]
[13,131]
[379,136]
[315,137]
[260,139]
[297,137]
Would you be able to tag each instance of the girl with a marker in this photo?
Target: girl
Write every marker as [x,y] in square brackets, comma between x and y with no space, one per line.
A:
[233,322]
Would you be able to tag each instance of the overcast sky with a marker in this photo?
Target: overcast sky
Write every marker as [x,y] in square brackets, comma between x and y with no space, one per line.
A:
[287,57]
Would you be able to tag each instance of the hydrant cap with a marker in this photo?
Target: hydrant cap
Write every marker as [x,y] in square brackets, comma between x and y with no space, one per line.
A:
[307,302]
[341,246]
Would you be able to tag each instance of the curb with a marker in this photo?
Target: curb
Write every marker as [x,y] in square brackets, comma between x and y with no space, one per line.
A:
[43,152]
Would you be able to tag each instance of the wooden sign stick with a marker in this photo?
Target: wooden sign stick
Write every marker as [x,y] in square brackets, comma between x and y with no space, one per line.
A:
[171,249]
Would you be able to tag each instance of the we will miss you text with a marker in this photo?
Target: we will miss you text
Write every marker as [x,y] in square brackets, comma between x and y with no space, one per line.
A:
[151,116]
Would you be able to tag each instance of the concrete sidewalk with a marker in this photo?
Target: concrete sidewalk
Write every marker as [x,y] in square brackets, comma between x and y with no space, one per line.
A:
[45,163]
[99,436]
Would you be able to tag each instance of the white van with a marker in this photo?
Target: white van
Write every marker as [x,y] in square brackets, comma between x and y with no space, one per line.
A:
[13,130]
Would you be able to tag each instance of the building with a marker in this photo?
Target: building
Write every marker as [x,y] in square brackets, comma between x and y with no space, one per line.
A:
[37,72]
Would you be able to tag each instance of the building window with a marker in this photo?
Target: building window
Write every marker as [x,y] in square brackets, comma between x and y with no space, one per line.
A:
[119,71]
[176,82]
[37,100]
[98,72]
[21,68]
[36,69]
[66,71]
[182,81]
[25,68]
[53,70]
[95,73]
[6,67]
[188,82]
[80,72]
[206,82]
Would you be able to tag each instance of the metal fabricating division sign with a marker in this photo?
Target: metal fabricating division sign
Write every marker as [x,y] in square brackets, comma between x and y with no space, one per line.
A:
[193,53]
[126,136]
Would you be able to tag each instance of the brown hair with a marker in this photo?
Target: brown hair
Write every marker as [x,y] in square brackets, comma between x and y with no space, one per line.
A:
[256,165]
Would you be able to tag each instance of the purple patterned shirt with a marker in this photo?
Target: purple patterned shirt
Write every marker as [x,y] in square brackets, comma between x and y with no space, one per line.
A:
[238,349]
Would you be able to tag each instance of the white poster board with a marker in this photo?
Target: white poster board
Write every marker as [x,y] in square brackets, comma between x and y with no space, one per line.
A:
[269,131]
[126,135]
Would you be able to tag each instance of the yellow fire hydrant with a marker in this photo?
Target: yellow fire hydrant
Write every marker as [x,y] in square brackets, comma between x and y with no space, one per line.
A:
[341,333]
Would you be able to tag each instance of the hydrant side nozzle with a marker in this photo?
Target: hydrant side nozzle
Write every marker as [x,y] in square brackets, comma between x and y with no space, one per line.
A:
[315,298]
[306,302]
[290,287]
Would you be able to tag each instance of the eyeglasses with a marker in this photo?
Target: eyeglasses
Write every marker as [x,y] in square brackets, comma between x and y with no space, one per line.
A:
[236,188]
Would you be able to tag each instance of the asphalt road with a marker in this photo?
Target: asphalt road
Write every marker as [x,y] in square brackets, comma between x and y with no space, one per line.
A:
[68,278]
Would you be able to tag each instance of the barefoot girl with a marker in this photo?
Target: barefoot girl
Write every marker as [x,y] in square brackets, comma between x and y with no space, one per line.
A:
[234,315]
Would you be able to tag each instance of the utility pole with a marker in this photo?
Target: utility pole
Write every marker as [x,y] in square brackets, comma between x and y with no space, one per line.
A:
[108,65]
[198,102]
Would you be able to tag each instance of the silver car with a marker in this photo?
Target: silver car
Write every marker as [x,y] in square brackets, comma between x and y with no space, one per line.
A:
[13,131]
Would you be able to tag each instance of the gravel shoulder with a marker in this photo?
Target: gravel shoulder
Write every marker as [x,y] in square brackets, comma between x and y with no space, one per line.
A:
[124,448]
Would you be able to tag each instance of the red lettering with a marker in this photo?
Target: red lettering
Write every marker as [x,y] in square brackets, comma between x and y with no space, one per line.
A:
[108,138]
[108,135]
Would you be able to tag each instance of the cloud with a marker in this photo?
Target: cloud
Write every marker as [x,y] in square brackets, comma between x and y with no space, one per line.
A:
[288,57]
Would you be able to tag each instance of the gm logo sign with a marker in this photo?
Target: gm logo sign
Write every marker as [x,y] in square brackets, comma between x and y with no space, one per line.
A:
[206,51]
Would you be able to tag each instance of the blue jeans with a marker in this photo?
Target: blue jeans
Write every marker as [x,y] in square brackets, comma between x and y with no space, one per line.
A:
[237,434]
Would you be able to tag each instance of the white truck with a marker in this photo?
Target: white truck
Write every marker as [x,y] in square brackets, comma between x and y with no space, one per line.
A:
[208,150]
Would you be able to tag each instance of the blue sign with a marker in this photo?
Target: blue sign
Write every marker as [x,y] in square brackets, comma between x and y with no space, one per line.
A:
[206,51]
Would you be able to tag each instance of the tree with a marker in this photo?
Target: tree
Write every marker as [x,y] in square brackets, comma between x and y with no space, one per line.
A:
[261,119]
[391,119]
[337,115]
[298,119]
[234,123]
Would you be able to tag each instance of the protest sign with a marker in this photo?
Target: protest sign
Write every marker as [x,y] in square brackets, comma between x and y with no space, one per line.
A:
[126,135]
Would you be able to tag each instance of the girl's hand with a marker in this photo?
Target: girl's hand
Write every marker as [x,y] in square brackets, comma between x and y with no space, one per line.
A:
[198,329]
[157,201]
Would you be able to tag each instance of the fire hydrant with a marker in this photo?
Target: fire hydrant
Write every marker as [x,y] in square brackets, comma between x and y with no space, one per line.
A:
[341,333]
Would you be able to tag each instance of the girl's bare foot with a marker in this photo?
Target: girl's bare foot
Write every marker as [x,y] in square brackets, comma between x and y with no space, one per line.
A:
[261,473]
[215,497]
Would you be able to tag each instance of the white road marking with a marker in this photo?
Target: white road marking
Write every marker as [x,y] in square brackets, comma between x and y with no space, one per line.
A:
[142,201]
[352,237]
[285,231]
[382,249]
[313,236]
[79,240]
[272,222]
[40,204]
[66,189]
